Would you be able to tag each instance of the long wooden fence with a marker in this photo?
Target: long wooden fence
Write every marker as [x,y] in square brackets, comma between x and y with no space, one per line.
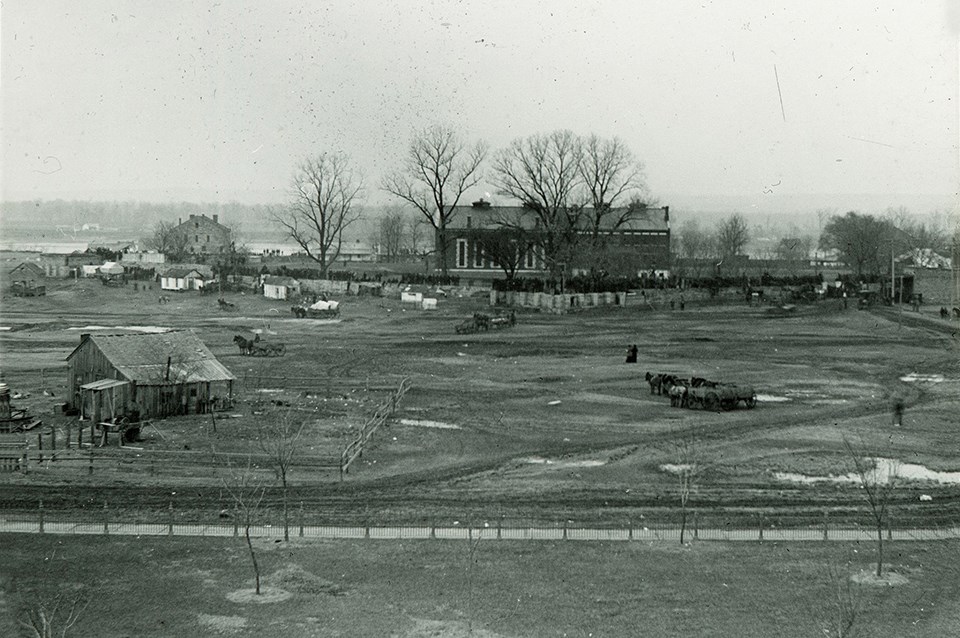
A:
[354,449]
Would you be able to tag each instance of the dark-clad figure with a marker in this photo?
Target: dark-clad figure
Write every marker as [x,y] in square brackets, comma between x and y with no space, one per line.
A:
[632,354]
[898,411]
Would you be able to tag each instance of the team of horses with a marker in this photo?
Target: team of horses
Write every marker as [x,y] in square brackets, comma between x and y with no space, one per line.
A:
[697,392]
[677,388]
[945,314]
[256,348]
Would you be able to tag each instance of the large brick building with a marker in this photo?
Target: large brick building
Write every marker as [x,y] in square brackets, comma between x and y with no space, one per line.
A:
[206,236]
[640,244]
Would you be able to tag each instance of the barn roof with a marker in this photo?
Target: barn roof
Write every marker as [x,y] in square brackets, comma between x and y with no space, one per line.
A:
[143,358]
[31,267]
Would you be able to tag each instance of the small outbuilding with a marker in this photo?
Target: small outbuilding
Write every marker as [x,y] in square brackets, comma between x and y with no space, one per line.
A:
[275,287]
[146,375]
[182,279]
[28,280]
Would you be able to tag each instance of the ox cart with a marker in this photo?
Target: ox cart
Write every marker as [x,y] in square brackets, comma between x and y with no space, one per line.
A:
[722,396]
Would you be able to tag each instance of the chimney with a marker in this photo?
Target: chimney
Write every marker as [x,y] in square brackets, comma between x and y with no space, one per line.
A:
[216,218]
[481,203]
[192,215]
[666,214]
[84,337]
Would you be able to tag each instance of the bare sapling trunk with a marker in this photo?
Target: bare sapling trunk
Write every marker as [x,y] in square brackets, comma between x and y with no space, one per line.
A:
[253,557]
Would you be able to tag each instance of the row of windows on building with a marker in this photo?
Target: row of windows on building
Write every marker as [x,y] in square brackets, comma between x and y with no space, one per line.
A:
[528,260]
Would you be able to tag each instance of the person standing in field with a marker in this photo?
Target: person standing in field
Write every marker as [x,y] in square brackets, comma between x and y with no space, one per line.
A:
[898,411]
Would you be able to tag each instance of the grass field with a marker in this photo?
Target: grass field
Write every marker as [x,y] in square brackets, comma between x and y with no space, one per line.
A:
[539,423]
[429,588]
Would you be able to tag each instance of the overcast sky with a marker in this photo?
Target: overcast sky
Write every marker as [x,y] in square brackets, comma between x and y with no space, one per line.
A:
[205,101]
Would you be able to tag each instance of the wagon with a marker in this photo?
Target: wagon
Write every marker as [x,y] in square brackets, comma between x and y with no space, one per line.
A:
[723,396]
[319,310]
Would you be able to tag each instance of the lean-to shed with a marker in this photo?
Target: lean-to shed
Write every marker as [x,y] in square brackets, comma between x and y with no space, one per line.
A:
[160,374]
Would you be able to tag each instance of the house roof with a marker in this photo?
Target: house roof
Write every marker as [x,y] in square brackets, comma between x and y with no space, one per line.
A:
[143,358]
[277,280]
[492,217]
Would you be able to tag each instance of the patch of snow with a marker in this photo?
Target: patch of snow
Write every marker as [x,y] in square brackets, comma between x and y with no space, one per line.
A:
[539,460]
[771,398]
[676,468]
[557,402]
[148,329]
[5,328]
[929,378]
[430,424]
[884,470]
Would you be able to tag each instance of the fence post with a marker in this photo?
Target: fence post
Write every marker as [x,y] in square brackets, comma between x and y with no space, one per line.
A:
[170,521]
[90,468]
[79,437]
[106,519]
[760,525]
[889,528]
[696,526]
[41,516]
[26,457]
[301,519]
[824,524]
[39,447]
[629,531]
[53,443]
[564,530]
[67,438]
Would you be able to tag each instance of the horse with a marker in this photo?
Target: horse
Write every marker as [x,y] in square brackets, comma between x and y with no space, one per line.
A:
[656,383]
[298,311]
[700,382]
[678,395]
[944,313]
[225,305]
[245,345]
[163,299]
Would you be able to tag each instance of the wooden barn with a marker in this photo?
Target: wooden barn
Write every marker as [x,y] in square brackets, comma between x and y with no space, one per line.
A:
[146,375]
[27,280]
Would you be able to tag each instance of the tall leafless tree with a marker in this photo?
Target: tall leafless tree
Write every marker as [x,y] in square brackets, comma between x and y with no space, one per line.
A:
[280,441]
[391,231]
[863,241]
[169,239]
[732,236]
[688,469]
[611,173]
[695,247]
[440,166]
[544,173]
[326,190]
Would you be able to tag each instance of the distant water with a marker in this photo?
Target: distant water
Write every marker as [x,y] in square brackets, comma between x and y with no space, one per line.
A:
[65,241]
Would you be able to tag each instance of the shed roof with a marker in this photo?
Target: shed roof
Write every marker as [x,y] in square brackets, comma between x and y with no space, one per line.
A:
[103,384]
[144,358]
[182,273]
[276,280]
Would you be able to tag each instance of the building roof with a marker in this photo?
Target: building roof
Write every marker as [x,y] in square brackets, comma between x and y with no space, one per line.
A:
[489,217]
[206,221]
[33,268]
[144,358]
[277,280]
[182,273]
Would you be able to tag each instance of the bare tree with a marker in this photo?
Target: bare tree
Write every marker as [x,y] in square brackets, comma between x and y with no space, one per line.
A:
[610,173]
[844,603]
[696,246]
[325,193]
[877,487]
[688,468]
[280,441]
[732,236]
[439,168]
[169,239]
[861,240]
[390,233]
[246,492]
[54,617]
[544,173]
[506,248]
